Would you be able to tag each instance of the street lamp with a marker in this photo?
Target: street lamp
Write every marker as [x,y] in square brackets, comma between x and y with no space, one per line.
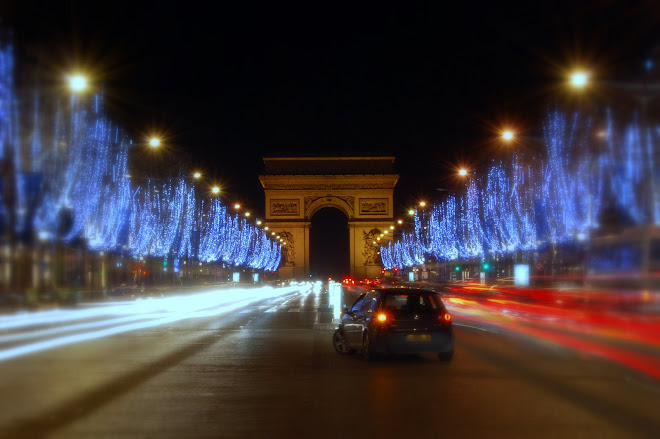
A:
[154,142]
[579,79]
[77,83]
[523,142]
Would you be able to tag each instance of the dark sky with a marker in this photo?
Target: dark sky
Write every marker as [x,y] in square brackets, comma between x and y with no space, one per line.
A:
[226,83]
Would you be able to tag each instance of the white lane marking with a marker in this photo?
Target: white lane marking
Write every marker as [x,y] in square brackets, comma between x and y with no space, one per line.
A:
[477,327]
[294,310]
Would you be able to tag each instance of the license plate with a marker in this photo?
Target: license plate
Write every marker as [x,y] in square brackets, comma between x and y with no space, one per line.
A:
[418,337]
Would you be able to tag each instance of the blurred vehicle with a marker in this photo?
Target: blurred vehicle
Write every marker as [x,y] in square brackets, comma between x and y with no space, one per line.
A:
[390,280]
[396,321]
[348,281]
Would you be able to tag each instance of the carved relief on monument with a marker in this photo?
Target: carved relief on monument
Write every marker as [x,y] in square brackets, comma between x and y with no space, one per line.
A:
[373,206]
[349,200]
[371,247]
[284,207]
[288,248]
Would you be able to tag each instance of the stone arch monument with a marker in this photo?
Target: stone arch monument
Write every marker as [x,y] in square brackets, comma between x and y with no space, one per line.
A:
[298,187]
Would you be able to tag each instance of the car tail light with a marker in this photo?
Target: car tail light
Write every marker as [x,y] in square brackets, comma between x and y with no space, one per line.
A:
[445,317]
[381,317]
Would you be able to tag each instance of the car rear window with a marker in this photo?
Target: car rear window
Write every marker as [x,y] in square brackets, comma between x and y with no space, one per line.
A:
[412,302]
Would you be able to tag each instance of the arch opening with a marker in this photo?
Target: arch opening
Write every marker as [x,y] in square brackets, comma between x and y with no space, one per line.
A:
[329,245]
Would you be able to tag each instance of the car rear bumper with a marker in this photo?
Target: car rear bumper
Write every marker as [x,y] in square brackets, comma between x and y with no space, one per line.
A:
[401,343]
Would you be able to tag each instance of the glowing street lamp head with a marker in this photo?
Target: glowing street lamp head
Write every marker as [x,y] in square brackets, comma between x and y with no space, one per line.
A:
[422,203]
[579,79]
[77,83]
[247,213]
[411,212]
[154,142]
[507,135]
[237,206]
[462,172]
[215,190]
[197,175]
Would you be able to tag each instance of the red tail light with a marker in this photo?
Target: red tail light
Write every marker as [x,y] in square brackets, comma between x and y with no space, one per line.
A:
[444,317]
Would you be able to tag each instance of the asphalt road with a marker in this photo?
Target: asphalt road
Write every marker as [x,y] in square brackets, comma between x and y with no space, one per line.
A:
[254,366]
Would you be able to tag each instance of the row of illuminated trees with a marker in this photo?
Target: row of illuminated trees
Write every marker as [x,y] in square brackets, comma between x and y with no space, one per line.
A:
[66,179]
[591,177]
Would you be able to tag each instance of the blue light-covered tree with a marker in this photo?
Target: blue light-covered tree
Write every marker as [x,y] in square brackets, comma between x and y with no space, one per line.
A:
[213,229]
[103,229]
[567,177]
[157,216]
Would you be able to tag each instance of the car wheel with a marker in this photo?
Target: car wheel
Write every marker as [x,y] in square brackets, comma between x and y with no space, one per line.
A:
[367,350]
[339,342]
[446,356]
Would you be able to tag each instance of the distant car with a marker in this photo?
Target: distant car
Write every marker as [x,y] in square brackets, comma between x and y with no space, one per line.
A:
[390,280]
[396,321]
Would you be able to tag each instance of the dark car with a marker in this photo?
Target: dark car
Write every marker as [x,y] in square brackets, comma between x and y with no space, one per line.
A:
[396,321]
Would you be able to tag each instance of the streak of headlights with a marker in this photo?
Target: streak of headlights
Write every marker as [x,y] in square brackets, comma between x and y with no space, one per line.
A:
[141,314]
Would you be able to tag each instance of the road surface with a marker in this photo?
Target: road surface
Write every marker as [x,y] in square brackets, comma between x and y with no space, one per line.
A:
[259,363]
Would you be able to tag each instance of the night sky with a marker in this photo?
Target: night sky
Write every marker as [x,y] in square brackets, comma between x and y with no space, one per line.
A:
[225,83]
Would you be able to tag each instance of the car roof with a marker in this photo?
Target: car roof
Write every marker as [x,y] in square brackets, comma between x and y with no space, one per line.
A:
[405,291]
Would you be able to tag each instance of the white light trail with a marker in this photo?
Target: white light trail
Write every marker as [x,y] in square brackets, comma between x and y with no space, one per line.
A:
[148,313]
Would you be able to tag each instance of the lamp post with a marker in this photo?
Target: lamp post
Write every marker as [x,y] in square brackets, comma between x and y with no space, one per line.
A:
[78,84]
[473,229]
[212,191]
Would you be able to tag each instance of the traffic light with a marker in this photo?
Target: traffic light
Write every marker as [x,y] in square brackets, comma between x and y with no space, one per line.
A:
[485,265]
[457,268]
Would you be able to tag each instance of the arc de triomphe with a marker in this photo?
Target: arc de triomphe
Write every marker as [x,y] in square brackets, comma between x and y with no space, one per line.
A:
[298,187]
